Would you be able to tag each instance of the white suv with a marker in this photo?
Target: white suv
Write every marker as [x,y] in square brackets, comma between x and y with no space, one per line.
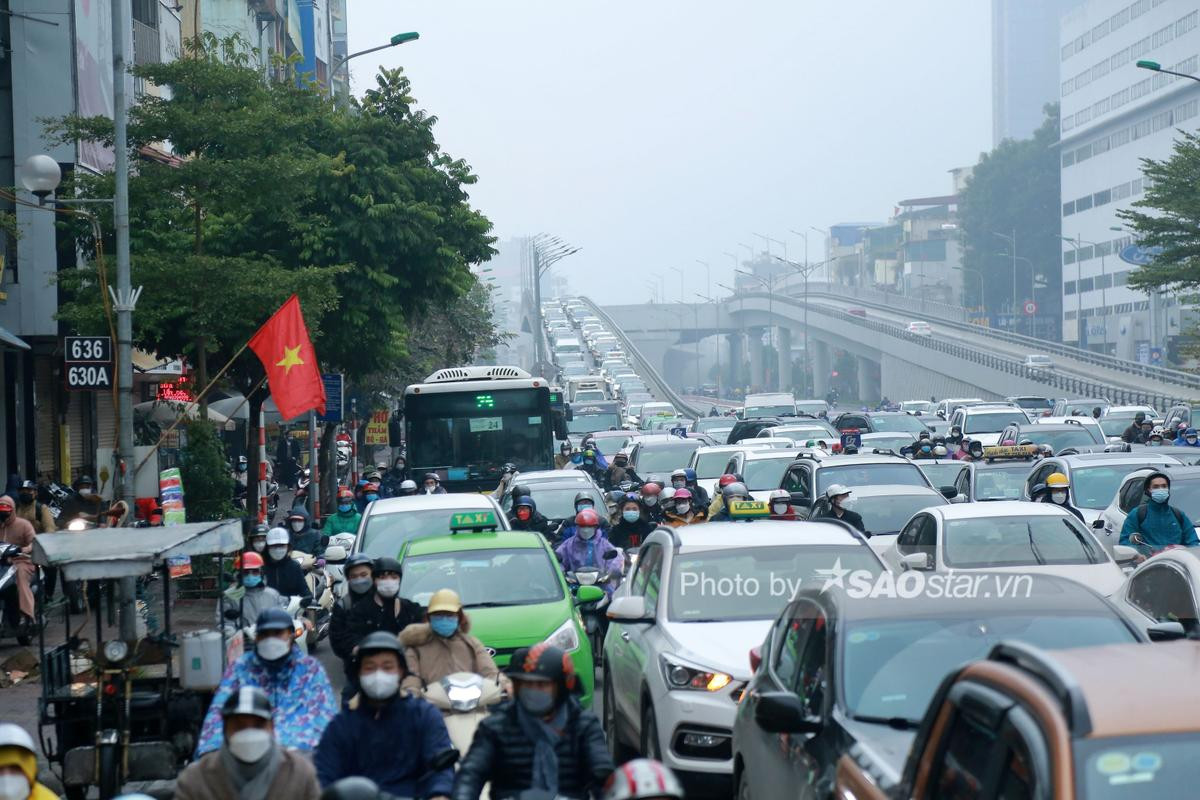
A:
[677,653]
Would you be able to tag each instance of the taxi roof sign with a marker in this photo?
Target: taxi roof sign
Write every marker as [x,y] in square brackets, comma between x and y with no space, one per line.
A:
[749,509]
[473,521]
[1010,451]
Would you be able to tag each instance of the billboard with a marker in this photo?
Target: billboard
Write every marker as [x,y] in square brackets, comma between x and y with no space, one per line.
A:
[94,75]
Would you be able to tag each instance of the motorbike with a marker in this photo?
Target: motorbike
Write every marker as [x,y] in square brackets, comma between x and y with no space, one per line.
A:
[336,553]
[360,788]
[595,620]
[302,482]
[464,699]
[320,612]
[12,622]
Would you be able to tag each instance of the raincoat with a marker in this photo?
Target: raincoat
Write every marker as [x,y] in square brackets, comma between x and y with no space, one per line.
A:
[576,552]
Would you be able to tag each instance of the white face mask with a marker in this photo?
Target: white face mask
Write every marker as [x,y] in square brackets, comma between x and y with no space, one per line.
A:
[585,533]
[297,525]
[272,648]
[779,508]
[277,552]
[683,508]
[14,787]
[651,499]
[1059,497]
[430,487]
[388,587]
[250,745]
[259,545]
[379,685]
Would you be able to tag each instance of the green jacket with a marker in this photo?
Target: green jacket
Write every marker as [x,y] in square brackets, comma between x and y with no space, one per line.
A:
[341,523]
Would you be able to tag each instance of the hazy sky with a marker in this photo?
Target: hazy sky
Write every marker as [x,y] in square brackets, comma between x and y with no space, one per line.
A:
[655,133]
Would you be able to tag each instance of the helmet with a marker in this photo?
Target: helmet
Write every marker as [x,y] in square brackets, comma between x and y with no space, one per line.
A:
[939,450]
[726,479]
[278,536]
[445,600]
[584,496]
[526,501]
[345,494]
[251,561]
[679,473]
[734,491]
[273,619]
[683,494]
[587,518]
[1158,431]
[359,559]
[83,480]
[641,779]
[668,493]
[378,642]
[371,488]
[259,530]
[780,494]
[431,476]
[1058,481]
[836,490]
[385,564]
[248,700]
[620,456]
[408,486]
[651,488]
[543,662]
[13,735]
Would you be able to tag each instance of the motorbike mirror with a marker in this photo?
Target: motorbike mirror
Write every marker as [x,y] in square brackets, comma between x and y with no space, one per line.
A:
[232,614]
[443,760]
[588,594]
[610,554]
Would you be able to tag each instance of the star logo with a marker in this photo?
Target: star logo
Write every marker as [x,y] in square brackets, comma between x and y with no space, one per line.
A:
[834,576]
[291,358]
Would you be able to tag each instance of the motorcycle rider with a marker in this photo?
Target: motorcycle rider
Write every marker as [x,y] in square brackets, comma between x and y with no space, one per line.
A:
[643,779]
[17,531]
[370,493]
[1133,434]
[250,763]
[563,459]
[304,537]
[633,523]
[1057,491]
[18,766]
[526,517]
[407,488]
[587,548]
[395,476]
[240,604]
[619,471]
[837,494]
[38,514]
[544,741]
[83,503]
[347,517]
[1188,439]
[281,571]
[258,539]
[969,450]
[443,645]
[568,527]
[432,484]
[731,493]
[360,585]
[683,511]
[302,700]
[718,503]
[651,494]
[1157,524]
[781,506]
[956,435]
[1156,437]
[384,734]
[699,494]
[384,609]
[679,480]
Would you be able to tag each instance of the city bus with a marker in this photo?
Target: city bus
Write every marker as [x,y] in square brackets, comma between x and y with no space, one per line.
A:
[466,423]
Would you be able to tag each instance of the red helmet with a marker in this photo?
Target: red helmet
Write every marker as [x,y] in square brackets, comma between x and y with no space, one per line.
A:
[587,518]
[345,494]
[651,488]
[251,561]
[726,479]
[682,494]
[371,487]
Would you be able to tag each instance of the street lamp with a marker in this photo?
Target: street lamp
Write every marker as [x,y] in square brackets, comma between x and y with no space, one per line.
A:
[681,277]
[1012,240]
[1077,243]
[399,38]
[544,257]
[696,333]
[717,303]
[1154,66]
[707,275]
[804,270]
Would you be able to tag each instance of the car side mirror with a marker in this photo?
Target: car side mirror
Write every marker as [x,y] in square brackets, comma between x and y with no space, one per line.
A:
[949,492]
[801,499]
[1124,554]
[918,561]
[1166,631]
[610,554]
[1098,524]
[783,712]
[588,594]
[631,608]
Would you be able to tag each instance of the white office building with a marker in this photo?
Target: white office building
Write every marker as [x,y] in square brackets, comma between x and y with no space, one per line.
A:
[1113,115]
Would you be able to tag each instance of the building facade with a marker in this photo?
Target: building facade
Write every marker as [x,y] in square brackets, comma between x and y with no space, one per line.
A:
[1024,64]
[1114,115]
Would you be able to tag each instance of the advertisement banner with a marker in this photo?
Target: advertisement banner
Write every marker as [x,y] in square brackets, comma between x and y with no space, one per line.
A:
[377,429]
[170,487]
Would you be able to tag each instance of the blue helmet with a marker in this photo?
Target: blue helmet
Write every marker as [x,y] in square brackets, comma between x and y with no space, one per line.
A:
[690,474]
[525,500]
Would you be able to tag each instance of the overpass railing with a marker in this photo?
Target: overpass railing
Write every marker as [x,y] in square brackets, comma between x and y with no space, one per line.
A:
[644,367]
[1074,386]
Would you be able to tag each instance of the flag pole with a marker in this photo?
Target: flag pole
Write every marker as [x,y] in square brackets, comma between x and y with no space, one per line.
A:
[314,485]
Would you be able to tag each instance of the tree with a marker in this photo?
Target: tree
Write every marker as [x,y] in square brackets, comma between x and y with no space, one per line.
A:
[207,483]
[1015,187]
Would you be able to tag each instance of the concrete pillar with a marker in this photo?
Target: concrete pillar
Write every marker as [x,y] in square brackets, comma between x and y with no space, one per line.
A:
[822,366]
[755,343]
[732,367]
[868,380]
[784,343]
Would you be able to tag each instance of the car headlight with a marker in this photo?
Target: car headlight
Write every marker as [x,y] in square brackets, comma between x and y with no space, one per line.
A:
[687,677]
[565,637]
[115,651]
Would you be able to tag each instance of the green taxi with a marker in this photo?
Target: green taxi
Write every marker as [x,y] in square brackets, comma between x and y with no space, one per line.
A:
[511,585]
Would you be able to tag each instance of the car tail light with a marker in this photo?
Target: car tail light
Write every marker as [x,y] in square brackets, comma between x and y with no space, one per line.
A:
[755,658]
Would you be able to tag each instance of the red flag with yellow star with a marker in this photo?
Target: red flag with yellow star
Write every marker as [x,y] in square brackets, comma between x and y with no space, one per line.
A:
[286,353]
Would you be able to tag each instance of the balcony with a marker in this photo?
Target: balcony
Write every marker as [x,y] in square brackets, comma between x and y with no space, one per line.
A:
[147,48]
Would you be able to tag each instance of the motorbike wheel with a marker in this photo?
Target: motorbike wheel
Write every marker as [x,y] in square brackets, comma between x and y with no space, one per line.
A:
[110,773]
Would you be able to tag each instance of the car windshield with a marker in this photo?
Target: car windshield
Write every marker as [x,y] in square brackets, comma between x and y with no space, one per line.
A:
[712,465]
[813,407]
[665,457]
[1024,541]
[869,475]
[590,423]
[1034,403]
[733,583]
[1127,767]
[1001,481]
[888,513]
[1115,425]
[917,405]
[591,395]
[1095,487]
[1059,440]
[767,473]
[897,423]
[510,577]
[384,534]
[992,421]
[754,412]
[574,369]
[891,667]
[891,442]
[942,474]
[556,502]
[804,434]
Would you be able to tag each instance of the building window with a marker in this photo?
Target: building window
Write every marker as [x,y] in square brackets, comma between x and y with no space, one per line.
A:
[1085,252]
[1086,284]
[1069,315]
[1104,281]
[1120,278]
[1068,208]
[1069,287]
[1069,257]
[1102,198]
[1083,203]
[1136,185]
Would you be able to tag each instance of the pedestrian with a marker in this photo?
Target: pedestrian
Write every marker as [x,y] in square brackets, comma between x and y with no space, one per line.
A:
[302,701]
[1156,524]
[384,609]
[384,734]
[18,766]
[17,531]
[250,764]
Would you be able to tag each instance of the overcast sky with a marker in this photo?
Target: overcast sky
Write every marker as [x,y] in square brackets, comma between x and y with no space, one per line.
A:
[653,134]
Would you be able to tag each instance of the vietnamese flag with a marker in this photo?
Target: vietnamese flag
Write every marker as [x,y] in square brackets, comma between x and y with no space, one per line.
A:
[286,353]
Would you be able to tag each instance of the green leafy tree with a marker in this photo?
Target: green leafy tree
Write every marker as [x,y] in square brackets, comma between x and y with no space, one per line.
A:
[207,483]
[1015,187]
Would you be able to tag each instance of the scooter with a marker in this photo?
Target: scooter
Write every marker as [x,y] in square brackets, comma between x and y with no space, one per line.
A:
[336,553]
[464,699]
[595,620]
[12,621]
[320,612]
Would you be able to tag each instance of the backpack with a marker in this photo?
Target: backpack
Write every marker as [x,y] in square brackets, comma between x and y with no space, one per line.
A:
[1144,509]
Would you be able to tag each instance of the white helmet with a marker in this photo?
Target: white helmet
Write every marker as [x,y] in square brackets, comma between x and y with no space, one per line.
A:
[12,735]
[667,493]
[278,536]
[835,490]
[640,779]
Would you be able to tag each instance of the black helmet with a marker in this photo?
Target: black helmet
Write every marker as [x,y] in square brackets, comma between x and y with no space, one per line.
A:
[584,496]
[249,700]
[545,663]
[274,619]
[431,476]
[520,490]
[259,530]
[378,642]
[357,560]
[385,564]
[83,480]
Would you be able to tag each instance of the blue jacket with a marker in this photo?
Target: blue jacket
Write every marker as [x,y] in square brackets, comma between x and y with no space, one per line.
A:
[390,745]
[1161,528]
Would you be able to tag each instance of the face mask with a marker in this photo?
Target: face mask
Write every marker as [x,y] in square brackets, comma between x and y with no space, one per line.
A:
[678,484]
[400,465]
[296,525]
[345,508]
[779,509]
[1160,495]
[1059,497]
[1156,442]
[524,514]
[586,533]
[537,702]
[380,685]
[25,499]
[371,497]
[388,587]
[581,506]
[259,545]
[631,516]
[651,500]
[277,553]
[14,787]
[272,648]
[251,581]
[429,487]
[360,585]
[250,745]
[926,448]
[1191,440]
[443,625]
[683,508]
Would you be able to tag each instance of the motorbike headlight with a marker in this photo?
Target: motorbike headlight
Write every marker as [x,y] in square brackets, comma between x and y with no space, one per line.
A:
[565,637]
[115,651]
[77,525]
[687,677]
[464,698]
[587,578]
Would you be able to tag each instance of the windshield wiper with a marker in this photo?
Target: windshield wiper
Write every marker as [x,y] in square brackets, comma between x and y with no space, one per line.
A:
[899,723]
[1032,546]
[487,604]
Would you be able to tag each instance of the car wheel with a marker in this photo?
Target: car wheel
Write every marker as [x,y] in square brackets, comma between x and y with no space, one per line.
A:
[650,748]
[621,752]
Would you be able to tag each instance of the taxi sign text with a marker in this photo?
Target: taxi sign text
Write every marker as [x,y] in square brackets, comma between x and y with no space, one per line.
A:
[741,509]
[1010,451]
[471,520]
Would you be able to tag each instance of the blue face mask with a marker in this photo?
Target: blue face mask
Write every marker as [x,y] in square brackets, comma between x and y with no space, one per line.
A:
[581,506]
[250,581]
[443,626]
[630,515]
[371,497]
[345,508]
[1160,495]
